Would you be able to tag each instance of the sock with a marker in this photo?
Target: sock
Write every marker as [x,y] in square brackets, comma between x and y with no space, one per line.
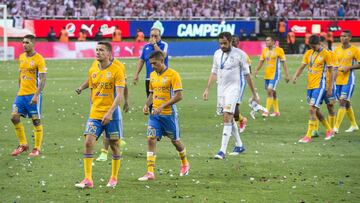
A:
[316,125]
[236,134]
[311,126]
[88,160]
[241,118]
[104,151]
[115,166]
[276,105]
[340,117]
[151,161]
[226,136]
[331,120]
[325,123]
[351,115]
[20,133]
[269,103]
[183,158]
[38,132]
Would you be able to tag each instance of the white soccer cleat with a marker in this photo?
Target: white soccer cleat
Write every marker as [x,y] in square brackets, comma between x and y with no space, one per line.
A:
[147,176]
[352,129]
[86,183]
[336,131]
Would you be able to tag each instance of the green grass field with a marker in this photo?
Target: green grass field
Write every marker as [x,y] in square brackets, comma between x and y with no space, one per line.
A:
[274,168]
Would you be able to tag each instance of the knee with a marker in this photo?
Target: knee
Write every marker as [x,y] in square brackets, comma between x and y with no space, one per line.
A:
[114,144]
[151,140]
[15,119]
[89,143]
[36,122]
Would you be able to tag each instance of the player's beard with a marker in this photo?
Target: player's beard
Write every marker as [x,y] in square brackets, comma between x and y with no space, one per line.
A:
[226,50]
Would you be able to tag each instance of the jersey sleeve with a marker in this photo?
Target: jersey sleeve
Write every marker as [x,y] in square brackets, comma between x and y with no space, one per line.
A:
[176,82]
[244,65]
[41,65]
[281,54]
[262,56]
[357,55]
[119,78]
[305,59]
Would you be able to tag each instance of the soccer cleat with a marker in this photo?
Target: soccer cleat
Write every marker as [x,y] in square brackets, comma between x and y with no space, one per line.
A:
[20,149]
[336,131]
[102,157]
[112,183]
[329,135]
[265,114]
[147,176]
[315,133]
[86,183]
[184,170]
[35,152]
[305,139]
[252,114]
[237,150]
[275,114]
[220,155]
[242,125]
[352,129]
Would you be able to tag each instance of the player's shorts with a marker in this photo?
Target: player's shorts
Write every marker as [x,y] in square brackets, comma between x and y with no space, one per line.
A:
[332,98]
[226,103]
[112,130]
[242,90]
[315,96]
[163,125]
[22,106]
[271,84]
[345,91]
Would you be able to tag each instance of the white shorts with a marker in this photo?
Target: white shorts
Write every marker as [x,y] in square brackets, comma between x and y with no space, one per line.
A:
[226,103]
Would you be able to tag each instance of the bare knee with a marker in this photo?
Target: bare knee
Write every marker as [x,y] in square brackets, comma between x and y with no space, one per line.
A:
[36,122]
[178,145]
[15,119]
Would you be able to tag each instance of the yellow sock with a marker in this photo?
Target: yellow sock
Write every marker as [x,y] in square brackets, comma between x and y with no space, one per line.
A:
[316,125]
[241,117]
[325,123]
[20,133]
[88,160]
[115,166]
[331,120]
[183,158]
[340,117]
[269,102]
[276,105]
[311,126]
[151,162]
[351,115]
[38,132]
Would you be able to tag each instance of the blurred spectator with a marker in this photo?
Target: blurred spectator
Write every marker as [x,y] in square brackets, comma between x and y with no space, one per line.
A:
[140,37]
[51,36]
[243,35]
[64,35]
[98,35]
[82,36]
[323,33]
[291,39]
[330,39]
[282,29]
[116,37]
[306,41]
[253,36]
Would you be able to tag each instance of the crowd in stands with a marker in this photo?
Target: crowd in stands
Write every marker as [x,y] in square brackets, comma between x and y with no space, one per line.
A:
[182,9]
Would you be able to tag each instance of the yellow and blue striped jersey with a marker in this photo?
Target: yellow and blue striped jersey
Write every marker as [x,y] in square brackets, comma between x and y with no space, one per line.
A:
[272,59]
[346,57]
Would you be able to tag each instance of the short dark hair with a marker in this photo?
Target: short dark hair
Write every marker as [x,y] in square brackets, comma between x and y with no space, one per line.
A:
[107,45]
[30,37]
[314,39]
[347,31]
[270,38]
[322,39]
[227,35]
[159,55]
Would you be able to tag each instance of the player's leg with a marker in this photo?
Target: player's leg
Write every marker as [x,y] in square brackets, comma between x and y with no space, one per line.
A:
[331,117]
[314,103]
[349,110]
[276,112]
[239,147]
[227,129]
[104,151]
[325,123]
[19,109]
[242,119]
[113,135]
[35,113]
[269,98]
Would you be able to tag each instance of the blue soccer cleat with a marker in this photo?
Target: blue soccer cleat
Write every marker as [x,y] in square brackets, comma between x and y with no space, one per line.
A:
[237,150]
[220,155]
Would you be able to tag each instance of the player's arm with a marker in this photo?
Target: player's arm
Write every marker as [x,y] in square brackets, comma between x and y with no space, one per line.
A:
[286,71]
[212,78]
[148,102]
[252,87]
[258,67]
[298,72]
[138,70]
[348,68]
[40,88]
[83,86]
[126,99]
[176,98]
[119,96]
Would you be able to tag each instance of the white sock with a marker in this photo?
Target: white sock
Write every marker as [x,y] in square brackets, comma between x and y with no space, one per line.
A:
[235,132]
[225,137]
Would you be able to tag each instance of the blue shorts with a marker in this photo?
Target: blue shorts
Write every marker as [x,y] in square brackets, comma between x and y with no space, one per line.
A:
[345,91]
[316,96]
[166,125]
[22,106]
[271,84]
[112,130]
[332,98]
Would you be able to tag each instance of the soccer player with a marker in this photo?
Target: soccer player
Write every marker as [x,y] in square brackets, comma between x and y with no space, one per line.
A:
[318,61]
[229,65]
[117,114]
[348,56]
[329,100]
[155,44]
[107,83]
[165,91]
[28,101]
[274,57]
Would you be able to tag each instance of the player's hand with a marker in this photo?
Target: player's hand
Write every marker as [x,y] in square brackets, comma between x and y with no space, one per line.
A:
[34,100]
[152,40]
[126,107]
[146,109]
[106,119]
[78,91]
[328,92]
[294,80]
[345,68]
[256,73]
[256,99]
[287,79]
[136,79]
[157,110]
[206,95]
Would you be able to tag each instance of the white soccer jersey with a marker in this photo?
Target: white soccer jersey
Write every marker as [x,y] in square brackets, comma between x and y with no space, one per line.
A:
[229,67]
